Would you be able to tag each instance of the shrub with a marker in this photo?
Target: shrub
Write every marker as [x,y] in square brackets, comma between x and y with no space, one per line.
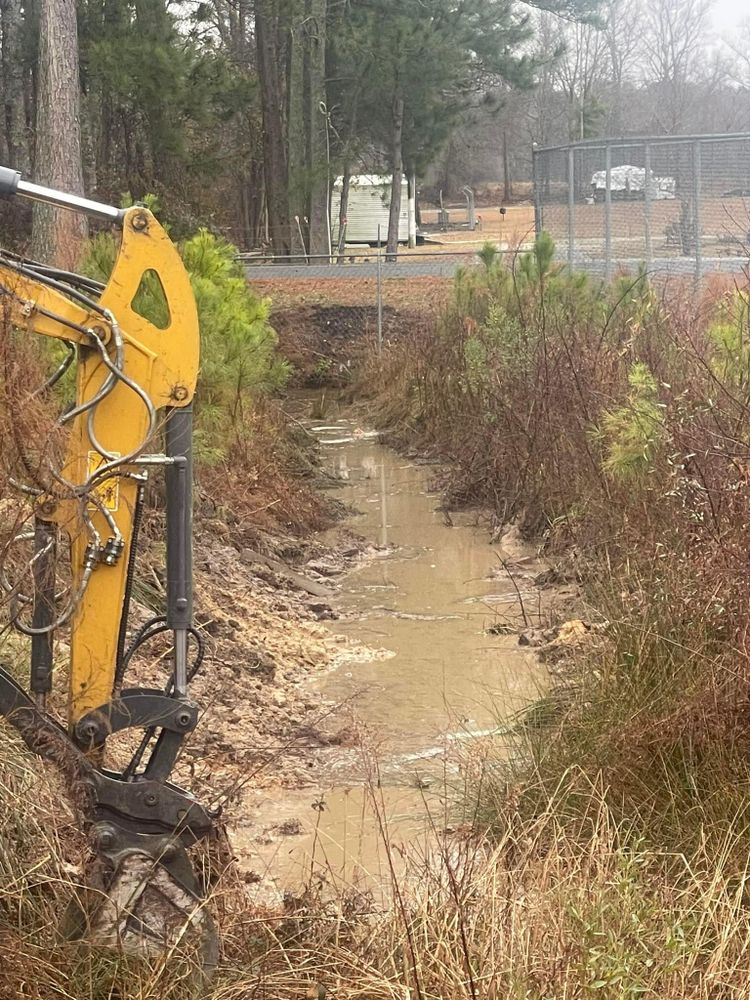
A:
[610,421]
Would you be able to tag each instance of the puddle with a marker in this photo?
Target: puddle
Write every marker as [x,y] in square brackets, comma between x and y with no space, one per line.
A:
[437,678]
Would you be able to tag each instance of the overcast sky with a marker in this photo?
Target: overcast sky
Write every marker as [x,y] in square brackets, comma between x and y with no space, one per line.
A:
[728,13]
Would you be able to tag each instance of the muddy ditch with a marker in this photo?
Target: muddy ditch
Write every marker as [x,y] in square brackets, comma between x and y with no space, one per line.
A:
[391,647]
[354,673]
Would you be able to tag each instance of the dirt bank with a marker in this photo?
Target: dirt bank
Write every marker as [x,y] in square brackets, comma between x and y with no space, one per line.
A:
[326,328]
[261,617]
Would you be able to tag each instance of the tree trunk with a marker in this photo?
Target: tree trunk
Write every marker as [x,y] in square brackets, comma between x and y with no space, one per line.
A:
[318,165]
[270,68]
[308,129]
[11,59]
[346,184]
[507,179]
[398,178]
[58,235]
[296,138]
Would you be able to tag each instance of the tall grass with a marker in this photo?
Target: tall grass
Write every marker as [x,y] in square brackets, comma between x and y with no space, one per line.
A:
[537,911]
[611,421]
[609,859]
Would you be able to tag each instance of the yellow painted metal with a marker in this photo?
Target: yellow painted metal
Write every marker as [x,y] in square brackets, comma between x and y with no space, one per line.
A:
[164,363]
[30,304]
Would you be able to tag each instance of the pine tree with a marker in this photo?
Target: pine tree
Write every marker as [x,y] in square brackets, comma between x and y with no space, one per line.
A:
[429,63]
[58,235]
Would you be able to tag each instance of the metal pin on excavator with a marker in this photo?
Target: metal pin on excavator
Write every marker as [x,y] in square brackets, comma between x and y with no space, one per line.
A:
[133,381]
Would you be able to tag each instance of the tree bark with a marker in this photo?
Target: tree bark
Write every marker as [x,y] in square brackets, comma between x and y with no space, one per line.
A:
[58,235]
[507,179]
[397,163]
[270,67]
[296,138]
[346,184]
[318,165]
[307,129]
[11,61]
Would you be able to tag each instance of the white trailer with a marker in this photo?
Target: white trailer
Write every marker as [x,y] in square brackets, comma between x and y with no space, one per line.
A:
[628,183]
[368,209]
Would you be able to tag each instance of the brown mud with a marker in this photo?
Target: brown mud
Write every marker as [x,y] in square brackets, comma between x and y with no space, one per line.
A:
[416,669]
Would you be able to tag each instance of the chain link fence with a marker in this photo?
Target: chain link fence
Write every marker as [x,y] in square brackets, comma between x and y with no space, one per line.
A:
[676,204]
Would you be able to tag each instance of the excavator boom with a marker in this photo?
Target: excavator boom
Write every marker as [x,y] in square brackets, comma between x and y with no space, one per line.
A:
[135,382]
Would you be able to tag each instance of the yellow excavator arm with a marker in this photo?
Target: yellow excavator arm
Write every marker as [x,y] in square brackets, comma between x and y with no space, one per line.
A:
[135,383]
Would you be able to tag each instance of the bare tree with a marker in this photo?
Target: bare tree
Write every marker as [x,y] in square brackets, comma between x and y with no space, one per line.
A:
[624,33]
[545,112]
[738,44]
[674,54]
[58,235]
[581,74]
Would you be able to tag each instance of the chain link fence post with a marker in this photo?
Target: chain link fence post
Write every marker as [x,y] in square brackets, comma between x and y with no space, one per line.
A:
[647,195]
[538,220]
[697,223]
[379,293]
[608,213]
[571,206]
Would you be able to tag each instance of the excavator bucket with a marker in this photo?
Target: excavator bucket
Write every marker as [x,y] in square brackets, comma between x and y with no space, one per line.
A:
[146,912]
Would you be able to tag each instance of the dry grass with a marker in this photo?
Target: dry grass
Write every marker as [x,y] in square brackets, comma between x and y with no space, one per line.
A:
[399,293]
[538,912]
[610,854]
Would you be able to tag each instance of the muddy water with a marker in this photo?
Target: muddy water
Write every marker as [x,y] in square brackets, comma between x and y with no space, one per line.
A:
[423,605]
[424,675]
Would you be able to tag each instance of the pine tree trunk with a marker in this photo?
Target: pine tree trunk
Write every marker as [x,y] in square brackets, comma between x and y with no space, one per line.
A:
[398,177]
[58,235]
[307,130]
[270,68]
[318,165]
[507,180]
[11,62]
[296,138]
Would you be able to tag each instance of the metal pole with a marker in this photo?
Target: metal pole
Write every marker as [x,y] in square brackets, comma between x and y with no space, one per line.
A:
[12,184]
[538,220]
[571,206]
[608,215]
[697,224]
[413,211]
[380,297]
[383,505]
[647,205]
[323,108]
[328,188]
[179,476]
